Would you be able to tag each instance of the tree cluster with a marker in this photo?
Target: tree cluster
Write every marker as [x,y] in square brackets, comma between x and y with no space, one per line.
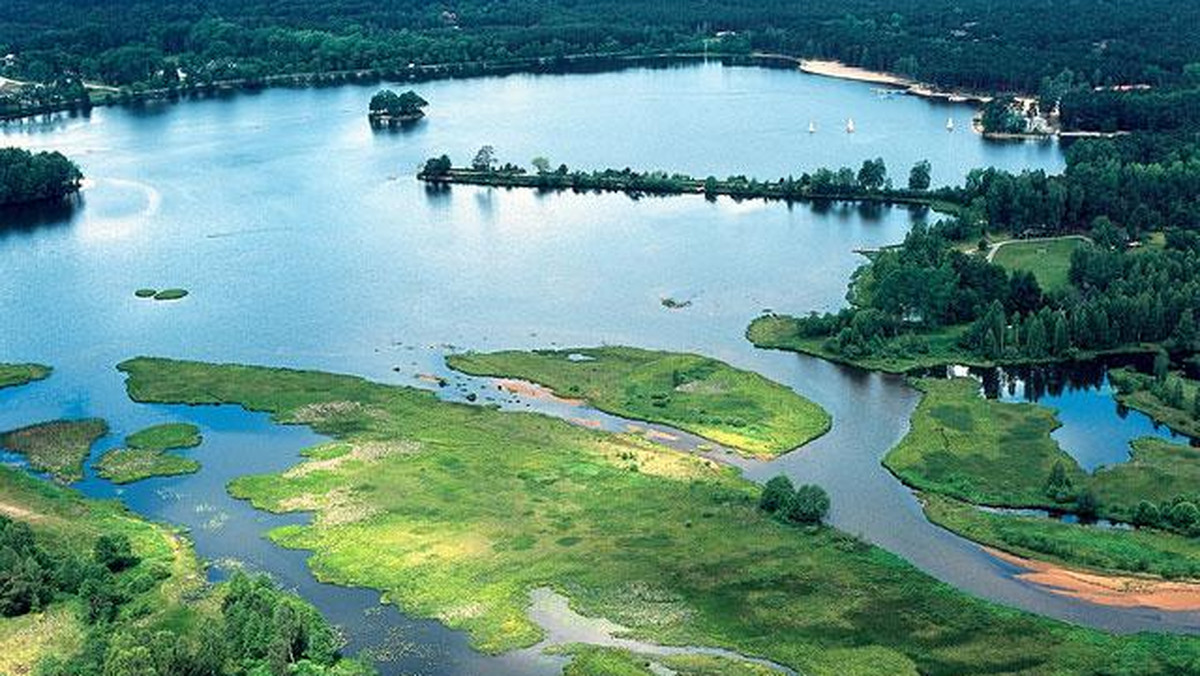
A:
[29,177]
[807,504]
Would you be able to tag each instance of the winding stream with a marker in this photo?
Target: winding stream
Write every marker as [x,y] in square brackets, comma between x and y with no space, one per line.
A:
[305,241]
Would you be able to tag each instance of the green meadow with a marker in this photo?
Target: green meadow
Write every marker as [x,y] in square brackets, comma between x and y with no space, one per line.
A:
[457,513]
[696,394]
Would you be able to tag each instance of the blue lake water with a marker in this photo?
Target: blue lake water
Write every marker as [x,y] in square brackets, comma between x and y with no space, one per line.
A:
[305,240]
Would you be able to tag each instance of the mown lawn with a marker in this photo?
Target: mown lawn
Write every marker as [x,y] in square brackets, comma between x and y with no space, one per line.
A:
[458,512]
[704,396]
[1048,260]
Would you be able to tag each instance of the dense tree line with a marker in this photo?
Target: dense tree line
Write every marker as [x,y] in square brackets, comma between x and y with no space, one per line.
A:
[970,43]
[28,177]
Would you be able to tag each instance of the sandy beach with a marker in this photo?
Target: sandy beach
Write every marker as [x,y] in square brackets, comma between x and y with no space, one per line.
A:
[1124,591]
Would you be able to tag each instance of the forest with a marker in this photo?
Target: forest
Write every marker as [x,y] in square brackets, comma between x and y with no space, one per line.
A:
[974,44]
[29,177]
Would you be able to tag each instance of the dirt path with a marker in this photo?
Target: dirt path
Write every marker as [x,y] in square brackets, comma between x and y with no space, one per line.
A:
[1124,591]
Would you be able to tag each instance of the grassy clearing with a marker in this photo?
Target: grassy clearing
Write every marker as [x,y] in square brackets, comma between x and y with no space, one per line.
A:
[986,452]
[13,375]
[458,512]
[1110,550]
[703,396]
[146,454]
[1048,260]
[934,348]
[1136,390]
[58,447]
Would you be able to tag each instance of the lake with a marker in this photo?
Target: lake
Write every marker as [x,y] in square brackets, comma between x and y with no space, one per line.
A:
[305,240]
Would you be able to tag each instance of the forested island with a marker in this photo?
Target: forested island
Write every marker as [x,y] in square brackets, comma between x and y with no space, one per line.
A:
[869,183]
[32,177]
[389,109]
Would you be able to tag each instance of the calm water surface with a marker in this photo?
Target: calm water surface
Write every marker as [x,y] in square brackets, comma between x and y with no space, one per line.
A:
[306,241]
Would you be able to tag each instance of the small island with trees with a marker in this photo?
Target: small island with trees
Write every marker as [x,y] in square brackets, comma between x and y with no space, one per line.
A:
[389,109]
[34,177]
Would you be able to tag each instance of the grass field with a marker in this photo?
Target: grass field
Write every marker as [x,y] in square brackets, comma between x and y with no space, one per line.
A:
[12,375]
[703,396]
[982,451]
[1108,550]
[1048,259]
[58,447]
[1157,470]
[1134,390]
[458,512]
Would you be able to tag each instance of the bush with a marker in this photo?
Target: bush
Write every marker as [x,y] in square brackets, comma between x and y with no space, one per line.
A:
[776,494]
[809,505]
[114,552]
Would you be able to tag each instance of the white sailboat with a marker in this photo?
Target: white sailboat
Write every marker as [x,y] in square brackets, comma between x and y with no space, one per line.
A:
[950,124]
[812,127]
[850,125]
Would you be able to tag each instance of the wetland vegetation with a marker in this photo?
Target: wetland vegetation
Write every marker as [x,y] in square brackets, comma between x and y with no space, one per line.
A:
[58,447]
[735,408]
[614,522]
[146,454]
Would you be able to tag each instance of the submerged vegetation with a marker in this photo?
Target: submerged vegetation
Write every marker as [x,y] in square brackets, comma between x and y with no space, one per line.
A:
[660,541]
[58,447]
[14,375]
[88,589]
[146,454]
[703,396]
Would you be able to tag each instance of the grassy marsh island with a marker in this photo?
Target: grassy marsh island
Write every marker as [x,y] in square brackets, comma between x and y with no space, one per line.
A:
[58,447]
[15,375]
[706,397]
[964,451]
[95,590]
[458,513]
[146,454]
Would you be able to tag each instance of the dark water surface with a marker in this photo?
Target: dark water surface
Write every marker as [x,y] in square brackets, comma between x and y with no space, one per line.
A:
[305,241]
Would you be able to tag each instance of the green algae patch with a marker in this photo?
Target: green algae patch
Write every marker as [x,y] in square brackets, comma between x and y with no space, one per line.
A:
[458,513]
[15,375]
[58,447]
[171,294]
[706,397]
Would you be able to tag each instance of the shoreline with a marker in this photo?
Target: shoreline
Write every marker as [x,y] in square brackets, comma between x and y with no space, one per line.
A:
[1121,591]
[842,71]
